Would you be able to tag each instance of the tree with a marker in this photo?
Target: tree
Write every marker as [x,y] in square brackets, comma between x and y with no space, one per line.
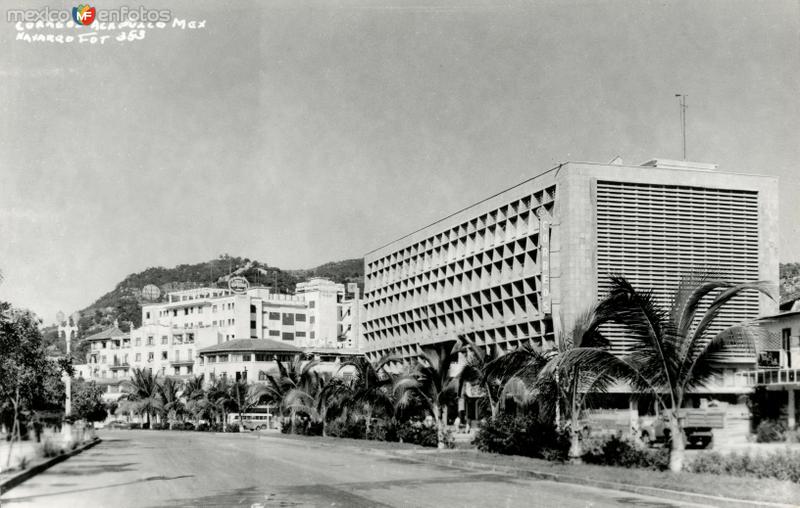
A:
[220,401]
[246,397]
[172,407]
[369,389]
[87,401]
[295,375]
[28,380]
[143,389]
[673,348]
[195,397]
[430,380]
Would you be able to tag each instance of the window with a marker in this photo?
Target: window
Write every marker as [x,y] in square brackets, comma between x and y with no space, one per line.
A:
[176,371]
[300,317]
[274,316]
[262,357]
[150,340]
[199,310]
[246,357]
[252,309]
[311,320]
[223,358]
[189,369]
[163,371]
[175,313]
[214,323]
[138,341]
[176,339]
[147,315]
[300,334]
[138,357]
[151,356]
[186,311]
[164,340]
[252,324]
[214,309]
[288,319]
[163,355]
[102,359]
[287,336]
[311,304]
[311,336]
[212,359]
[274,333]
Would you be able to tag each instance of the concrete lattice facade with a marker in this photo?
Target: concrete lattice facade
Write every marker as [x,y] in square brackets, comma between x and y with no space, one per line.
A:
[520,265]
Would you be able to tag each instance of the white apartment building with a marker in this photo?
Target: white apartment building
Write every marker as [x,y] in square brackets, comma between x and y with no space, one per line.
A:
[174,331]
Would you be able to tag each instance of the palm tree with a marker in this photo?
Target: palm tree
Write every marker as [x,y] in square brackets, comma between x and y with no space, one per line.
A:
[430,381]
[369,389]
[172,406]
[246,397]
[143,388]
[674,349]
[295,375]
[194,397]
[220,400]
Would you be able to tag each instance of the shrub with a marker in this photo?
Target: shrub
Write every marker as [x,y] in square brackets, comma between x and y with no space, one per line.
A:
[625,453]
[232,427]
[384,430]
[158,426]
[348,428]
[781,465]
[770,431]
[136,425]
[51,449]
[522,435]
[203,427]
[424,435]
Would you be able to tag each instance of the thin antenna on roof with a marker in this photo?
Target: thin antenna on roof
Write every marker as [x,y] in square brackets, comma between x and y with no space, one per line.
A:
[683,106]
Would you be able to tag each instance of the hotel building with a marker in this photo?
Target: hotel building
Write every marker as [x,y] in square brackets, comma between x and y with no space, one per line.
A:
[518,266]
[318,319]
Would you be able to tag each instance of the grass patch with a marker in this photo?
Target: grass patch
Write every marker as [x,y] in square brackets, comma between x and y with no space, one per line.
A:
[751,489]
[355,443]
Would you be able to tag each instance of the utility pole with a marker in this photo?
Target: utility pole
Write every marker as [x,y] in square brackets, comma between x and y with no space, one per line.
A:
[682,104]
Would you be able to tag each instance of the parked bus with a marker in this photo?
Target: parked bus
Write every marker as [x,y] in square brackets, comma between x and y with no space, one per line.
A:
[259,418]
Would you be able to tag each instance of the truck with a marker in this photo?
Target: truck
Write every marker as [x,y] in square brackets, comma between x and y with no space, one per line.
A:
[697,427]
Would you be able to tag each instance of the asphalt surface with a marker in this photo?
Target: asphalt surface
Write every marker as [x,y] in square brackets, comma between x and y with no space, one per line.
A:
[161,468]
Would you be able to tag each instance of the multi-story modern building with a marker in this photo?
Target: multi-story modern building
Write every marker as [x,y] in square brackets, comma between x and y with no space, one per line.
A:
[520,265]
[173,332]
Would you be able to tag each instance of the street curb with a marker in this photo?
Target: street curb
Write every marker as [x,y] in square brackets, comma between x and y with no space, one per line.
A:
[22,476]
[603,484]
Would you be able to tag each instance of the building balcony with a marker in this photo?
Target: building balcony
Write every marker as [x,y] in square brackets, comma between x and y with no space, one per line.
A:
[776,378]
[119,365]
[183,361]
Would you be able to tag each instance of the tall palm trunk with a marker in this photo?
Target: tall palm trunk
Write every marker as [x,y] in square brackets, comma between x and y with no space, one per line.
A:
[677,452]
[575,448]
[437,417]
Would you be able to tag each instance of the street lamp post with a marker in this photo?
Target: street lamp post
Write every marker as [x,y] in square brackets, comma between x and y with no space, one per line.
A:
[68,329]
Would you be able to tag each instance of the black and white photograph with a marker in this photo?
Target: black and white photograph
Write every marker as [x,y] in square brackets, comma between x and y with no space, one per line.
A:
[399,253]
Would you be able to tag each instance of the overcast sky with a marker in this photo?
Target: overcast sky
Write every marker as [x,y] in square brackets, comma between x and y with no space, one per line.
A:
[298,133]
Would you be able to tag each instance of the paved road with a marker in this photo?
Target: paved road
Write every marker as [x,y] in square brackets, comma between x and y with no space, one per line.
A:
[151,469]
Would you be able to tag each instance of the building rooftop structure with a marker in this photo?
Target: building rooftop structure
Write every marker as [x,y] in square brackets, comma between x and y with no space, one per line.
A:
[251,346]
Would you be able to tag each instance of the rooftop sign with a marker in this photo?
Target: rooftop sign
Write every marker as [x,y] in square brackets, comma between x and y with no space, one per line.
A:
[238,285]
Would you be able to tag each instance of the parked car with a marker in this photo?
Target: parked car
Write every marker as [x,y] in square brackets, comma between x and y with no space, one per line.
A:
[118,424]
[697,427]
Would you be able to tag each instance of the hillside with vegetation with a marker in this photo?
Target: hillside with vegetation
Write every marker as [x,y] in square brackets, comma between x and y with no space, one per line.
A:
[124,302]
[790,281]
